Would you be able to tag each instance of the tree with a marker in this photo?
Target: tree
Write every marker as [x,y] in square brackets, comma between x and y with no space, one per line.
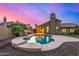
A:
[18,28]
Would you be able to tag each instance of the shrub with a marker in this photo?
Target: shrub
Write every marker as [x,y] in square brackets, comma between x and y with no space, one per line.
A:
[70,33]
[77,32]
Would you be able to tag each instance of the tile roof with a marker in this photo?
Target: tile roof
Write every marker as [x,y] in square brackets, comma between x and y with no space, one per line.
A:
[48,22]
[68,25]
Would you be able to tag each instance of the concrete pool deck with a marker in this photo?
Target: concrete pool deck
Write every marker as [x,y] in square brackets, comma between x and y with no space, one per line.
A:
[21,44]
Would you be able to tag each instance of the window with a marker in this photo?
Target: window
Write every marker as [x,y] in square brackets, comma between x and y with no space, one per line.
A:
[47,28]
[71,30]
[63,30]
[57,27]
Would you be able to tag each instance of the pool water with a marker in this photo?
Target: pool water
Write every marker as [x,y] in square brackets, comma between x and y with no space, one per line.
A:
[43,39]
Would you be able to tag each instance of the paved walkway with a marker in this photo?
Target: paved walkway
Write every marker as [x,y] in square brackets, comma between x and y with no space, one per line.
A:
[59,40]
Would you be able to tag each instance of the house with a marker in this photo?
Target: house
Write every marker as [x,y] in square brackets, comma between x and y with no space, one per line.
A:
[54,26]
[68,28]
[5,32]
[50,27]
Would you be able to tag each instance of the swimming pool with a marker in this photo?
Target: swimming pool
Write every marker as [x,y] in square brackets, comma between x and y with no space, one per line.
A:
[31,45]
[42,39]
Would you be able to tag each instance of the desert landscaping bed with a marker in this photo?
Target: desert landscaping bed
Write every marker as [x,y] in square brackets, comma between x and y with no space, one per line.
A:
[66,49]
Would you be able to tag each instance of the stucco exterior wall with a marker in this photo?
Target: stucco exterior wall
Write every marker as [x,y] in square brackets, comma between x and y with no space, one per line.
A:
[68,29]
[57,24]
[5,33]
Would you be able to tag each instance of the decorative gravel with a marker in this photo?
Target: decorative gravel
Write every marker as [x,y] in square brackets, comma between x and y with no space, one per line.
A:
[66,49]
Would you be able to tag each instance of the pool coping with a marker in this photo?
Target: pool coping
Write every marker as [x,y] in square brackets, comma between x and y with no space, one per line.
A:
[59,40]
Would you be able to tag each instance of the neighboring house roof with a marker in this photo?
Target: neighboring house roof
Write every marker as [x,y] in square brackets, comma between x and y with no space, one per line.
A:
[7,23]
[68,25]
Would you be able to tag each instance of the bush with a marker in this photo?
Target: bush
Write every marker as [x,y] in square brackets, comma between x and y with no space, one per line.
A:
[70,33]
[77,32]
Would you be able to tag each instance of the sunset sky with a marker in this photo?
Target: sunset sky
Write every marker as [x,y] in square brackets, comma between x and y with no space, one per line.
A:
[39,13]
